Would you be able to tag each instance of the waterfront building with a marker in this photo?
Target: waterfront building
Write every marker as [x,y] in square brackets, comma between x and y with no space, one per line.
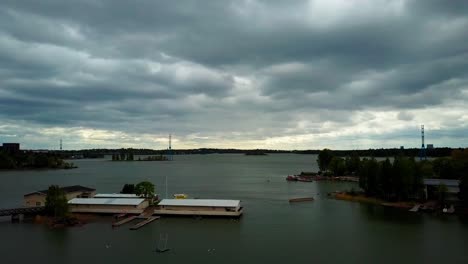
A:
[38,198]
[431,187]
[199,207]
[108,205]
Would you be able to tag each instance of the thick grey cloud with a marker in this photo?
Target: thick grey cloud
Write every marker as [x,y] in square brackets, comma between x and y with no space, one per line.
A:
[278,74]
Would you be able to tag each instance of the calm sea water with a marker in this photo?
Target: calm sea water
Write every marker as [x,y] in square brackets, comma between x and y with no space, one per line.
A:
[271,230]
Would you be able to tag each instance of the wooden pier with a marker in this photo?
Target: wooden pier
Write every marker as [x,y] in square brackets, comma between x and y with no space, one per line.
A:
[304,199]
[144,222]
[124,221]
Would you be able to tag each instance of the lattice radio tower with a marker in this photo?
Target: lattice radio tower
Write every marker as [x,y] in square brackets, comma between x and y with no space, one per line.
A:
[422,153]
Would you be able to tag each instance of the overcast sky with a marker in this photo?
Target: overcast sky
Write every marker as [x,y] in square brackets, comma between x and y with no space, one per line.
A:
[290,74]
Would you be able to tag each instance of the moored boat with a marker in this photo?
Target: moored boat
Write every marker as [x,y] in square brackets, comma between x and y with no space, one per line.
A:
[291,178]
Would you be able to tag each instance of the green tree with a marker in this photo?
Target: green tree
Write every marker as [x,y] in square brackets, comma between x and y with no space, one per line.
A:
[41,161]
[6,162]
[443,168]
[324,158]
[463,185]
[56,202]
[442,193]
[369,174]
[386,179]
[145,188]
[337,166]
[352,163]
[128,189]
[425,169]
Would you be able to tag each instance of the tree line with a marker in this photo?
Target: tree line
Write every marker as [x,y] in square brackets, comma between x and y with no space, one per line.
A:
[28,159]
[400,179]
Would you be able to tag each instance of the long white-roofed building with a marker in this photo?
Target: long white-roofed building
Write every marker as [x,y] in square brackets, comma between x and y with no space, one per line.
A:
[108,205]
[116,195]
[199,207]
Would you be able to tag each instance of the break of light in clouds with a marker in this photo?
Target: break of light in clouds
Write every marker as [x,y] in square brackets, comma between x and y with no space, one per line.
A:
[233,74]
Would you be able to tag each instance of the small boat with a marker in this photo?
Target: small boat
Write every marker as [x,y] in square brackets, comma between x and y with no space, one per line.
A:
[291,178]
[304,179]
[299,178]
[304,199]
[450,210]
[180,196]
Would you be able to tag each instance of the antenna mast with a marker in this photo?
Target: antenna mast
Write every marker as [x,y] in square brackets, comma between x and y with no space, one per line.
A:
[422,154]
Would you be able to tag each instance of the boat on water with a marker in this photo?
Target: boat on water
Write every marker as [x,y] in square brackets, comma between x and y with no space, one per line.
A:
[180,196]
[291,178]
[304,179]
[299,178]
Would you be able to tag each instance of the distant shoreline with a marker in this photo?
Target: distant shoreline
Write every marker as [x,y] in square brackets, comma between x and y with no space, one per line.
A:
[382,152]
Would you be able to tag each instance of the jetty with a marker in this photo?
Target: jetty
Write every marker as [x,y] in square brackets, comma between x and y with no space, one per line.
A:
[304,199]
[124,221]
[144,222]
[415,208]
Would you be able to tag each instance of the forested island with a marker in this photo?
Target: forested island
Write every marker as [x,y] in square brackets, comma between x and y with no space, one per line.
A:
[31,160]
[131,157]
[400,179]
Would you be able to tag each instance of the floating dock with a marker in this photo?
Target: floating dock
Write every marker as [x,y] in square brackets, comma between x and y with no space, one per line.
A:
[304,199]
[415,208]
[124,221]
[144,222]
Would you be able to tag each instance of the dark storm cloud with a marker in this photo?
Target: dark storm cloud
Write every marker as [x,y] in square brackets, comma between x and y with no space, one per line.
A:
[239,67]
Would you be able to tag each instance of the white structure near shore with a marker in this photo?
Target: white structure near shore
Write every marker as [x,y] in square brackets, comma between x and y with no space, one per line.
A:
[115,195]
[199,207]
[108,205]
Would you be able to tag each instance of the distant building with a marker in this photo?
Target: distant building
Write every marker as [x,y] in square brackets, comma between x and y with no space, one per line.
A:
[11,147]
[77,191]
[430,146]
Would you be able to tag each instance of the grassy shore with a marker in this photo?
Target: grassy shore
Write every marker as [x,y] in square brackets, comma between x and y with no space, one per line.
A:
[370,200]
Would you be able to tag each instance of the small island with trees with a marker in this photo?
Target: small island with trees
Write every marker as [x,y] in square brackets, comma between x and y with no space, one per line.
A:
[130,157]
[23,160]
[399,182]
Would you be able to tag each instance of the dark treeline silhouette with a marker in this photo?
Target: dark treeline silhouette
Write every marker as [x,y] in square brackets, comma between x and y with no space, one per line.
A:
[391,152]
[32,160]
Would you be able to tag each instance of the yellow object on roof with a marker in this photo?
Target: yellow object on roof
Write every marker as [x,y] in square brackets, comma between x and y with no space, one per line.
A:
[180,196]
